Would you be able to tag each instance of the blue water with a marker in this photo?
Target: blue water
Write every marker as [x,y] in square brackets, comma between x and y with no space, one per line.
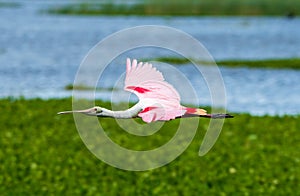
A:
[40,54]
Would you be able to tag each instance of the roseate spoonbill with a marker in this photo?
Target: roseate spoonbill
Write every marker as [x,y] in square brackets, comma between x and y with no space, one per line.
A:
[158,100]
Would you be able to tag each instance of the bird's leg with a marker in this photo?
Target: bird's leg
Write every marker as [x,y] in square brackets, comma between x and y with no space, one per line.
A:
[194,112]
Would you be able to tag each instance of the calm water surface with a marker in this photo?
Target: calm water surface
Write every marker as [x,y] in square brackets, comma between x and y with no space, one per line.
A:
[40,54]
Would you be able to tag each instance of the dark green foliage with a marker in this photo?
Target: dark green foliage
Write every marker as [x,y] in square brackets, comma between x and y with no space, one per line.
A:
[268,63]
[291,63]
[86,88]
[185,8]
[42,154]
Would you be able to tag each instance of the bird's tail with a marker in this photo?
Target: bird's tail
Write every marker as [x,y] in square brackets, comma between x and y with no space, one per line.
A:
[203,113]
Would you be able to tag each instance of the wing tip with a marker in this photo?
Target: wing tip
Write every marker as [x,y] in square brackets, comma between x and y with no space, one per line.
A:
[132,64]
[128,65]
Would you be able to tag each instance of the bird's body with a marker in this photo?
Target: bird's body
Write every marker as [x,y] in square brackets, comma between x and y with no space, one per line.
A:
[158,100]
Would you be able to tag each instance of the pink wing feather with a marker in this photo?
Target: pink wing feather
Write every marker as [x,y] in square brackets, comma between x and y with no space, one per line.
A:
[159,99]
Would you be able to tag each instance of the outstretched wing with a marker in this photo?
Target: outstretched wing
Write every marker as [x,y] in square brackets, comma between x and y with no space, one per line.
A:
[159,99]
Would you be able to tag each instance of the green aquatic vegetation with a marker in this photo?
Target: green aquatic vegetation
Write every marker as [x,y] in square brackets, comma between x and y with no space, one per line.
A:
[184,8]
[291,63]
[41,153]
[87,88]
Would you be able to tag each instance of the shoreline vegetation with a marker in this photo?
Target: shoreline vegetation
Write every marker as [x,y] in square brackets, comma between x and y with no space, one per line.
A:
[42,153]
[289,63]
[83,87]
[289,8]
[292,63]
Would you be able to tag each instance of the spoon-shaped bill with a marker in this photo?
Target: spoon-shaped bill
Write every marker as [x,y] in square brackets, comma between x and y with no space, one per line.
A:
[87,111]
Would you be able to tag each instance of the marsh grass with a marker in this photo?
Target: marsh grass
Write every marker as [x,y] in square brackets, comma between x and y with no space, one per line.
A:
[291,63]
[185,8]
[87,88]
[42,154]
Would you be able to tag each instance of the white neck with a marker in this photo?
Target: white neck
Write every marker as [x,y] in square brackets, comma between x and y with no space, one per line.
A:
[129,113]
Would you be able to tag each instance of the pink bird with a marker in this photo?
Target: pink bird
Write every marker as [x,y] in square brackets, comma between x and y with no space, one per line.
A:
[158,100]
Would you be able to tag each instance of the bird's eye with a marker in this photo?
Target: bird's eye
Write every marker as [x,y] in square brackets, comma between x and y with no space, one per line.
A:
[97,110]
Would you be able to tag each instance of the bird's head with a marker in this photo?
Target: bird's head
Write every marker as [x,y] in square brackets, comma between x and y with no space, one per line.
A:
[94,111]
